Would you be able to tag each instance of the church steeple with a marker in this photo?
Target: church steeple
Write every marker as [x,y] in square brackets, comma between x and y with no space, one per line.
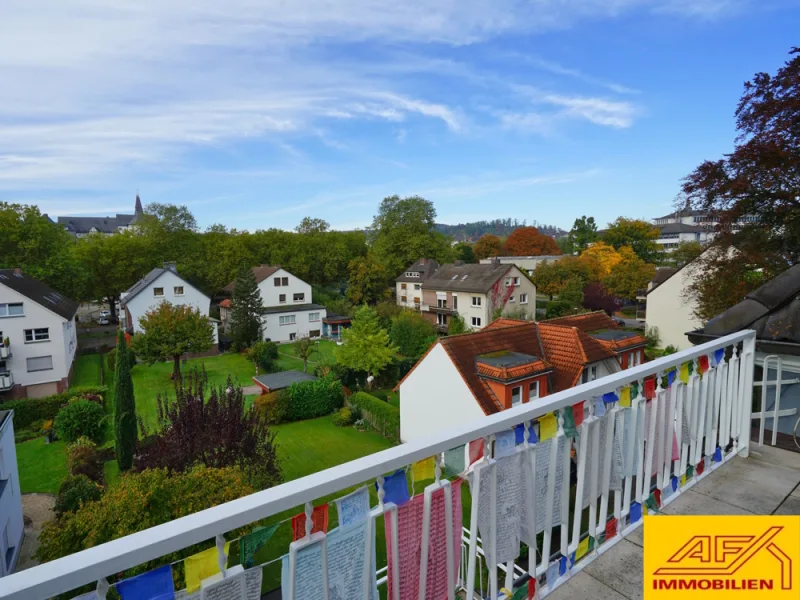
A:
[138,209]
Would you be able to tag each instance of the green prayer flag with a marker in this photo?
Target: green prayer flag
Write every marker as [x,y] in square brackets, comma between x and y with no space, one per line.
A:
[634,389]
[591,543]
[651,504]
[521,593]
[689,472]
[454,462]
[569,423]
[252,543]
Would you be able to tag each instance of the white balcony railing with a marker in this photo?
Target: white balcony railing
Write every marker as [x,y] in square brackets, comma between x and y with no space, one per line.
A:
[704,415]
[6,381]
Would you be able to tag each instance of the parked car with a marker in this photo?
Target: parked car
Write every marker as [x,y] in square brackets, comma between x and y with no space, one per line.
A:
[104,314]
[103,321]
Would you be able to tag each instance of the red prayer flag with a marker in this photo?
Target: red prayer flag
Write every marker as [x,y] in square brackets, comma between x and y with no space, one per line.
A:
[611,528]
[475,450]
[657,495]
[531,588]
[702,363]
[577,413]
[319,518]
[650,388]
[701,466]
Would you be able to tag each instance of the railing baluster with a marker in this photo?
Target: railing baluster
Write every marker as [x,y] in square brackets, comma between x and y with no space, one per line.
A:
[564,487]
[639,437]
[701,417]
[650,449]
[735,420]
[576,521]
[608,456]
[594,475]
[748,373]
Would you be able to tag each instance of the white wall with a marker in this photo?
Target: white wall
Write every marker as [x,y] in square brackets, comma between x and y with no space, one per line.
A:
[525,286]
[410,293]
[11,499]
[670,308]
[145,300]
[467,311]
[273,330]
[270,295]
[434,396]
[62,336]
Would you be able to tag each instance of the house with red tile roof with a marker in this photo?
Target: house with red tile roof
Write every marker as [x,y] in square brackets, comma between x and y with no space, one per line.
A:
[462,378]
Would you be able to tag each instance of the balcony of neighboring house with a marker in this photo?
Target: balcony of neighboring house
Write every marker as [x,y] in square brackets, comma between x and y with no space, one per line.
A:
[678,429]
[442,307]
[6,379]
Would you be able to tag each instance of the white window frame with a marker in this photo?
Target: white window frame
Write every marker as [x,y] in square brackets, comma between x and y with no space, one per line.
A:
[178,293]
[518,391]
[589,373]
[282,298]
[40,334]
[302,297]
[533,391]
[313,317]
[417,286]
[27,363]
[441,319]
[476,301]
[5,311]
[441,303]
[277,281]
[511,300]
[156,294]
[476,321]
[508,281]
[455,302]
[523,298]
[287,320]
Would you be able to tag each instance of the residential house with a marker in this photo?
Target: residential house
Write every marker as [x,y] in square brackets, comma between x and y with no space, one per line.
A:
[162,284]
[10,497]
[662,274]
[464,377]
[673,234]
[333,325]
[773,311]
[526,263]
[290,314]
[38,334]
[83,226]
[408,286]
[475,292]
[689,225]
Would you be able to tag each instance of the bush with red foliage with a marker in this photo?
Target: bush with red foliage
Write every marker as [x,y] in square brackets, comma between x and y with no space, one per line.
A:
[596,297]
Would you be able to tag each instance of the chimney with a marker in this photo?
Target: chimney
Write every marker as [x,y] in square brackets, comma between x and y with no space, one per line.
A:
[171,266]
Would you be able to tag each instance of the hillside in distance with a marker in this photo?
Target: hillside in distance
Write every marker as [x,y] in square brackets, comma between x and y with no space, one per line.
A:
[470,232]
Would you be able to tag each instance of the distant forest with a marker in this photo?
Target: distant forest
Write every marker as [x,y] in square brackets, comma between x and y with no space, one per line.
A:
[470,232]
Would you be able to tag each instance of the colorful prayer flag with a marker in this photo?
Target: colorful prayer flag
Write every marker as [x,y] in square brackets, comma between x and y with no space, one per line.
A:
[689,472]
[583,548]
[455,461]
[151,585]
[635,389]
[674,483]
[718,356]
[548,426]
[636,512]
[475,450]
[611,528]
[657,495]
[578,413]
[650,388]
[201,566]
[319,520]
[651,503]
[625,397]
[702,364]
[684,373]
[504,443]
[570,430]
[252,543]
[718,455]
[423,469]
[671,377]
[683,480]
[395,488]
[701,466]
[599,407]
[562,565]
[610,397]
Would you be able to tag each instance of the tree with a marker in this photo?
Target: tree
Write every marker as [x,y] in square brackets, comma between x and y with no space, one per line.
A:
[583,233]
[465,252]
[310,225]
[565,245]
[640,235]
[456,325]
[366,346]
[210,427]
[305,348]
[597,297]
[760,179]
[263,354]
[367,281]
[551,277]
[404,230]
[572,292]
[527,241]
[487,246]
[605,255]
[169,332]
[629,276]
[412,333]
[685,253]
[247,309]
[124,408]
[171,217]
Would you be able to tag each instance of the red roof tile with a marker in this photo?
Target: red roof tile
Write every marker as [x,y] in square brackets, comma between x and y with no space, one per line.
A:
[592,321]
[225,303]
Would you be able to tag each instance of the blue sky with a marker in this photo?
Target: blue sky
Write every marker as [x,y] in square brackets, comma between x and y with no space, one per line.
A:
[256,113]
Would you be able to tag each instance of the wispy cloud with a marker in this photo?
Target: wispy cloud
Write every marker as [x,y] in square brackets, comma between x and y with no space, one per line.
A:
[558,69]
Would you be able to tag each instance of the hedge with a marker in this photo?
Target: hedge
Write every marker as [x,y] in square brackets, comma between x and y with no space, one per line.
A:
[30,410]
[311,399]
[381,415]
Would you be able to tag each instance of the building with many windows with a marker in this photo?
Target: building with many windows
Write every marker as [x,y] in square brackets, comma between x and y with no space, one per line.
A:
[83,226]
[408,286]
[38,337]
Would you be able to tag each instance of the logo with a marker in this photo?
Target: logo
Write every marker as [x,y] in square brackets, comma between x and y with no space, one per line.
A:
[715,556]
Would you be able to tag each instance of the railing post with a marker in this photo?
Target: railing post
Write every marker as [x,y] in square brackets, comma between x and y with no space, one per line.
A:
[748,372]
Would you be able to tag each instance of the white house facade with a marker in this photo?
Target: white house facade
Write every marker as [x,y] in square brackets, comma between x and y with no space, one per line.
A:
[671,307]
[11,523]
[162,284]
[38,335]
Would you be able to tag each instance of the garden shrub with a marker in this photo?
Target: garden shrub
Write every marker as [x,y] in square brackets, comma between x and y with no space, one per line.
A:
[74,492]
[381,415]
[558,308]
[311,399]
[111,359]
[343,417]
[30,411]
[80,418]
[83,458]
[264,354]
[274,407]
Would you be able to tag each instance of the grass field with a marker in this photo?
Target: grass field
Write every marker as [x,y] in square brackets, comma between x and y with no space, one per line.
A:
[41,466]
[87,370]
[288,352]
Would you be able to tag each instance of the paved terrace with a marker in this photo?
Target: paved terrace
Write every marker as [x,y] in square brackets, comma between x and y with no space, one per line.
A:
[766,483]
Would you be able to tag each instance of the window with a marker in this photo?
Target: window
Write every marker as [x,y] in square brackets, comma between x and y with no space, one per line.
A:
[516,396]
[11,310]
[633,359]
[284,281]
[476,301]
[417,286]
[511,299]
[402,298]
[441,320]
[589,373]
[37,335]
[287,320]
[412,274]
[402,286]
[441,302]
[508,281]
[515,280]
[417,300]
[313,316]
[40,363]
[533,391]
[299,297]
[178,290]
[523,298]
[282,298]
[476,321]
[455,302]
[158,292]
[277,281]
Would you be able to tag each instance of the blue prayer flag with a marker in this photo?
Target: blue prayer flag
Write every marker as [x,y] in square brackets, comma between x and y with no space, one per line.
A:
[148,586]
[396,488]
[718,455]
[599,407]
[671,377]
[519,434]
[562,565]
[610,397]
[718,356]
[674,484]
[636,512]
[504,443]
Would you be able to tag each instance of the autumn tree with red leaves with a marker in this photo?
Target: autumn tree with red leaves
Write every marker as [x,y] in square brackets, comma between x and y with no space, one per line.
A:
[528,241]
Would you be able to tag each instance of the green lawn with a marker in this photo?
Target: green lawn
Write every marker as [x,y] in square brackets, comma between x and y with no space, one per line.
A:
[288,352]
[41,466]
[86,371]
[149,381]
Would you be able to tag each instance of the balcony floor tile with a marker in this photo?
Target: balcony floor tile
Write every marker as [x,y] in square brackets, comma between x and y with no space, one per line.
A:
[790,506]
[620,569]
[585,587]
[692,503]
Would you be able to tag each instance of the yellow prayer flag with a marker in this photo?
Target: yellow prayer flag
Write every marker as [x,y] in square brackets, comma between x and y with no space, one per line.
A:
[683,480]
[202,565]
[625,397]
[684,373]
[423,469]
[583,549]
[548,426]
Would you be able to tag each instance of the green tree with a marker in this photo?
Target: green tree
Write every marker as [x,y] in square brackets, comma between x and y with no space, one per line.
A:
[367,281]
[366,346]
[305,348]
[456,325]
[583,233]
[171,217]
[551,277]
[465,252]
[572,292]
[488,245]
[628,276]
[412,333]
[685,253]
[639,235]
[124,408]
[247,309]
[405,230]
[169,332]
